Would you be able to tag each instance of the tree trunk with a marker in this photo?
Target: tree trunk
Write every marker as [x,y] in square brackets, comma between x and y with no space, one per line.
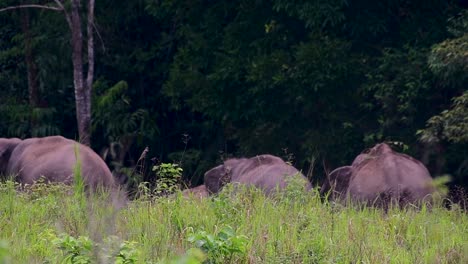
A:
[90,72]
[82,86]
[82,100]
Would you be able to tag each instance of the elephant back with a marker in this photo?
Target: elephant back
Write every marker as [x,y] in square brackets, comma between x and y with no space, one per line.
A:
[56,158]
[266,172]
[389,175]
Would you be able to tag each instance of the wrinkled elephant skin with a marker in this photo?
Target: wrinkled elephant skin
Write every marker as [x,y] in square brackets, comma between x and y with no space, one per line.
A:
[53,158]
[381,175]
[266,172]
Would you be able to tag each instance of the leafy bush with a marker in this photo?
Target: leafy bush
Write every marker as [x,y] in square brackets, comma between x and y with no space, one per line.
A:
[75,250]
[80,250]
[127,253]
[220,247]
[168,180]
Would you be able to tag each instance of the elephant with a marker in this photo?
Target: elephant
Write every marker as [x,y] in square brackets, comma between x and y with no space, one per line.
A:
[337,183]
[198,192]
[380,176]
[54,158]
[266,172]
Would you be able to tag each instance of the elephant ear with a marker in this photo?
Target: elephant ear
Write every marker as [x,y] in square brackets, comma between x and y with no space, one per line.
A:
[337,182]
[3,151]
[217,177]
[7,145]
[4,157]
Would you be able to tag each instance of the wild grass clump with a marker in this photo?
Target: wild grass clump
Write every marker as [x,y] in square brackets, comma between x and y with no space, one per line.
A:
[240,225]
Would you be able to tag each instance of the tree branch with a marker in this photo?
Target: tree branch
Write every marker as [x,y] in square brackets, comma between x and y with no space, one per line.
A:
[99,36]
[67,16]
[59,4]
[32,6]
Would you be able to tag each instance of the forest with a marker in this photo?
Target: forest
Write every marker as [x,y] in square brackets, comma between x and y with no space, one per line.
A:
[314,82]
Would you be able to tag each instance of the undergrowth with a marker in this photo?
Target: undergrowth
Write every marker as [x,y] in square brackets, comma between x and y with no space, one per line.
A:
[45,224]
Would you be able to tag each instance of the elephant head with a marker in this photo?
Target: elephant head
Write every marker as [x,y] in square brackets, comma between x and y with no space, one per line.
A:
[337,182]
[217,177]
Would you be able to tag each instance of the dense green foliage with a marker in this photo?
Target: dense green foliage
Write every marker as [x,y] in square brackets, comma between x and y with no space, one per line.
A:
[200,80]
[47,225]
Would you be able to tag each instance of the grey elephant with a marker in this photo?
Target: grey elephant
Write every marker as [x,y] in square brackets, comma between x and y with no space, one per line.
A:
[265,172]
[53,158]
[379,176]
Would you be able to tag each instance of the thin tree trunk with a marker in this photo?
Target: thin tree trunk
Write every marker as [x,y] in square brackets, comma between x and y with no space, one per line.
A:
[90,73]
[83,117]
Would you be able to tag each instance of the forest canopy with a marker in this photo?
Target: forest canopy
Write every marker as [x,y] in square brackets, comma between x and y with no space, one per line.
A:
[315,82]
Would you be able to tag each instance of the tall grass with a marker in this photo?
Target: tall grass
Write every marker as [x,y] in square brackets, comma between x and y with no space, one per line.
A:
[293,227]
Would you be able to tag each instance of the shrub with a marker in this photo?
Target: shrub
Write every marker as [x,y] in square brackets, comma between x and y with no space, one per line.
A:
[168,180]
[221,247]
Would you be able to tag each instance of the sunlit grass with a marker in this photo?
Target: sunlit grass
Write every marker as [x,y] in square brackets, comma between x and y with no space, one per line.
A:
[294,227]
